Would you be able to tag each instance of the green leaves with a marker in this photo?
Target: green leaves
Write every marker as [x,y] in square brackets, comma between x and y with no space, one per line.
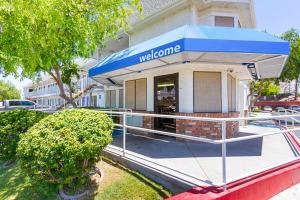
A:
[264,88]
[292,69]
[65,146]
[12,124]
[40,34]
[8,91]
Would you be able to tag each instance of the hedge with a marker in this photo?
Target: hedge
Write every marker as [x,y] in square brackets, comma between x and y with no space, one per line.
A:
[65,146]
[12,124]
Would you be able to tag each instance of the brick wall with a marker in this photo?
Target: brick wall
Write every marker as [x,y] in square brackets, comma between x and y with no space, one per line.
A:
[202,129]
[207,129]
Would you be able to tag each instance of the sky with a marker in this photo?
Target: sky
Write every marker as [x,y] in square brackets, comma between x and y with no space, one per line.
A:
[274,16]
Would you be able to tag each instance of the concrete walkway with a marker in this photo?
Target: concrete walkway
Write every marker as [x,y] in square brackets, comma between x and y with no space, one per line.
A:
[201,163]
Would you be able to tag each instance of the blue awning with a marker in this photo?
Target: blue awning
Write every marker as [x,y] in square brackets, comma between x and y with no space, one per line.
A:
[195,39]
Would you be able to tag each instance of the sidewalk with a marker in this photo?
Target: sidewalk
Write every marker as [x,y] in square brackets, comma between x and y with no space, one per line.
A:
[202,160]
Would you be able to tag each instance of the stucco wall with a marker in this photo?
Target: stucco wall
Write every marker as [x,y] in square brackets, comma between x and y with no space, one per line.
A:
[185,84]
[158,27]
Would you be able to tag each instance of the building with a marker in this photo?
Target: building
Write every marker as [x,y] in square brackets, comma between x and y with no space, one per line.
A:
[46,93]
[191,58]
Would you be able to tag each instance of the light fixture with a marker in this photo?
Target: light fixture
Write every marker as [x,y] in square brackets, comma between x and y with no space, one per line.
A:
[230,70]
[252,69]
[186,61]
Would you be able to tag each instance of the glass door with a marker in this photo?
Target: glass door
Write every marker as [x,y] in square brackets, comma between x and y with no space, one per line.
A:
[166,101]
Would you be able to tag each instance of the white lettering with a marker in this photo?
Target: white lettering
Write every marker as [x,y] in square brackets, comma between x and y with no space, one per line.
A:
[177,48]
[142,58]
[160,53]
[149,57]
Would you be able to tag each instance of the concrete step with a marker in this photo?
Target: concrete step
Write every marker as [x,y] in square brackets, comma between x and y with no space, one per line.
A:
[173,180]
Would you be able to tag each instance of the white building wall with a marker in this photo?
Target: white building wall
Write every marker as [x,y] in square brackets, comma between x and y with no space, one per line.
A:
[156,28]
[224,91]
[243,87]
[190,14]
[186,82]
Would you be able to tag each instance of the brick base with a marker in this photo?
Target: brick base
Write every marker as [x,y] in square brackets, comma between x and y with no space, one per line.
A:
[211,130]
[205,129]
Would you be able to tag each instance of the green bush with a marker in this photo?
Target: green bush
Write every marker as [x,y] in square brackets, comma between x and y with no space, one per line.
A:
[12,124]
[65,146]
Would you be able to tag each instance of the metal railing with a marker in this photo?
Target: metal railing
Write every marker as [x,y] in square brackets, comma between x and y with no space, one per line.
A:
[223,141]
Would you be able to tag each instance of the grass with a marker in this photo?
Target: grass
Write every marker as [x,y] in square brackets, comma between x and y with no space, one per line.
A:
[118,183]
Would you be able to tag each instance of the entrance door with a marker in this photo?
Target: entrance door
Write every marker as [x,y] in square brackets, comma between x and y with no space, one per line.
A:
[166,101]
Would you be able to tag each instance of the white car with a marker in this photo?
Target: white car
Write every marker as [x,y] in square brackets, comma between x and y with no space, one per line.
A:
[280,109]
[15,104]
[268,108]
[294,107]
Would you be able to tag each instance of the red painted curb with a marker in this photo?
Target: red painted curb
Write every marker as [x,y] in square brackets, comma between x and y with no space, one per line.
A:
[260,186]
[295,141]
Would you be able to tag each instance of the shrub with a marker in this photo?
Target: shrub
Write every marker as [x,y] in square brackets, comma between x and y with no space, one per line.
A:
[12,124]
[65,146]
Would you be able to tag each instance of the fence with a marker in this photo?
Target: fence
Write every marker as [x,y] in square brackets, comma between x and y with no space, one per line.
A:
[223,141]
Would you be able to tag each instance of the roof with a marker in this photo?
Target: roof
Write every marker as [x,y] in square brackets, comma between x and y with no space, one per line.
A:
[194,39]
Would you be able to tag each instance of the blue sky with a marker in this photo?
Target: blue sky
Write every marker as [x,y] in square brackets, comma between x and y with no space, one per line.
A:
[277,16]
[274,16]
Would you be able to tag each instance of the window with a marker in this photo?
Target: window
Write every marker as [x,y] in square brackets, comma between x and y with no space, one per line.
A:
[136,94]
[14,103]
[130,94]
[231,92]
[87,100]
[110,99]
[83,101]
[207,92]
[121,95]
[27,103]
[224,21]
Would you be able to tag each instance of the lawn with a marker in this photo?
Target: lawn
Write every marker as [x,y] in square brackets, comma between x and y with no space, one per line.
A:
[118,183]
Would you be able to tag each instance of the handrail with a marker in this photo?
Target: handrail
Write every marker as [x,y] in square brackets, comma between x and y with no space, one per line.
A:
[203,118]
[223,141]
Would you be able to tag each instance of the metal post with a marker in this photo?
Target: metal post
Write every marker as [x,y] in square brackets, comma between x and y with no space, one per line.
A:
[285,118]
[224,154]
[293,121]
[124,133]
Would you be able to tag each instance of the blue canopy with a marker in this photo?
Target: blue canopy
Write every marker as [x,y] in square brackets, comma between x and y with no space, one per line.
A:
[194,39]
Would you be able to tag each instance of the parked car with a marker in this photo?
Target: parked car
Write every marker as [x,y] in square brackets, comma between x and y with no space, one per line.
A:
[268,108]
[14,104]
[280,109]
[294,107]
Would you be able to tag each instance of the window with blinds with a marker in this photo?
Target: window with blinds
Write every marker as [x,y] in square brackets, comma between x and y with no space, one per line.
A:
[121,95]
[207,92]
[224,21]
[136,94]
[110,99]
[231,92]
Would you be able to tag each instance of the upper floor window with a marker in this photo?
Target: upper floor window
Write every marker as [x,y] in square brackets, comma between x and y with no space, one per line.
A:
[224,21]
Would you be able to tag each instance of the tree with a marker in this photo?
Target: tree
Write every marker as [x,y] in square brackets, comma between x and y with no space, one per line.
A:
[260,88]
[8,91]
[291,70]
[42,36]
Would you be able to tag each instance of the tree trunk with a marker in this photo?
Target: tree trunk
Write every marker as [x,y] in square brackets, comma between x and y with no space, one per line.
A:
[60,84]
[296,89]
[252,98]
